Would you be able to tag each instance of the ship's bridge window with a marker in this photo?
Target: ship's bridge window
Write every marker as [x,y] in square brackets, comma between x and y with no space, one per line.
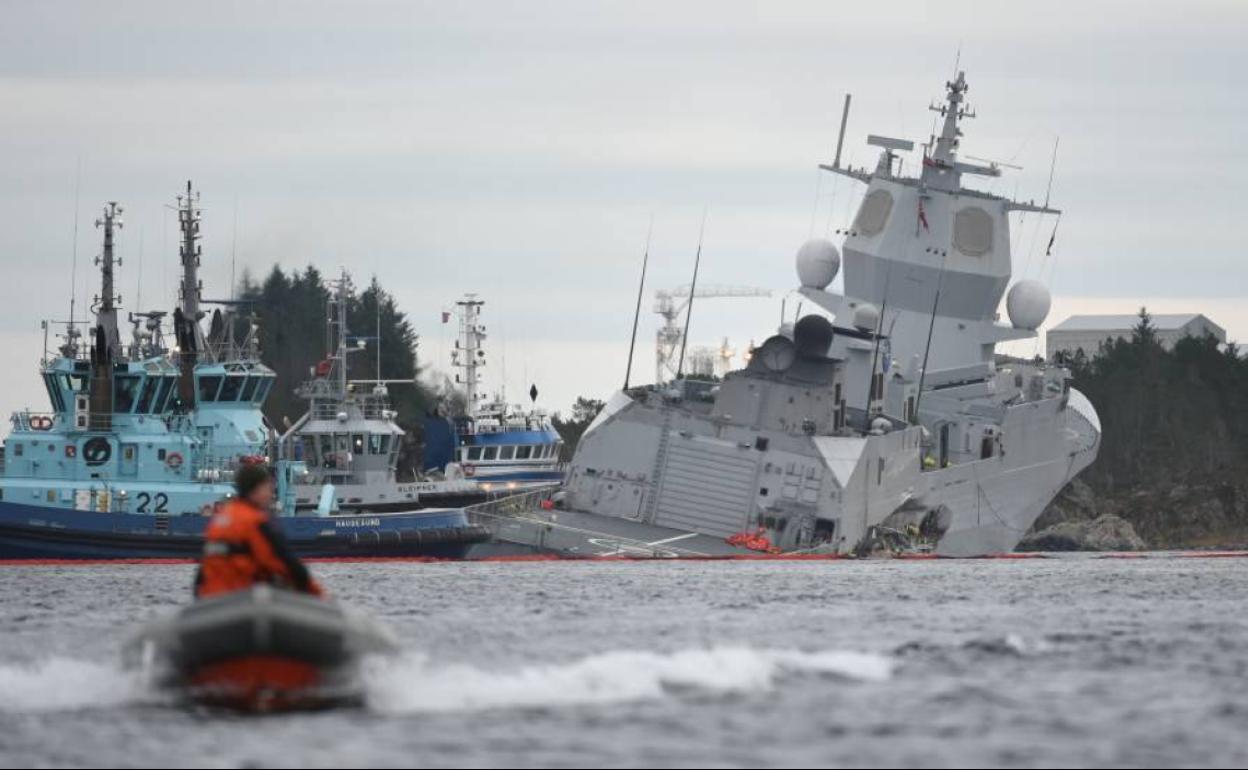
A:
[231,387]
[208,387]
[474,453]
[149,394]
[249,390]
[262,389]
[126,390]
[327,447]
[507,453]
[54,393]
[378,444]
[75,382]
[357,443]
[491,453]
[162,398]
[524,452]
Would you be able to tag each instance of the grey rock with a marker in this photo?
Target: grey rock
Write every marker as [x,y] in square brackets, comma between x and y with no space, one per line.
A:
[1104,533]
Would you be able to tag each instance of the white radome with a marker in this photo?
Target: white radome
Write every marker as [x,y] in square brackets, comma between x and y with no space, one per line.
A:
[818,262]
[1028,304]
[866,317]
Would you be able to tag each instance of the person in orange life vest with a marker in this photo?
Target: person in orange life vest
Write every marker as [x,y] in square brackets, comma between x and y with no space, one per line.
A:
[242,546]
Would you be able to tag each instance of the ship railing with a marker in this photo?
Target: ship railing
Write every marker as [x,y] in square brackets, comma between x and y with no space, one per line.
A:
[529,519]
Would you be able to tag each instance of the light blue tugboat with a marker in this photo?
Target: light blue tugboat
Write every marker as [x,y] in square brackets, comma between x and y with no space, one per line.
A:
[143,439]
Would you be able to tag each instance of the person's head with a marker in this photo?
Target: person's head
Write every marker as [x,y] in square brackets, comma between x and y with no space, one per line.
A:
[254,483]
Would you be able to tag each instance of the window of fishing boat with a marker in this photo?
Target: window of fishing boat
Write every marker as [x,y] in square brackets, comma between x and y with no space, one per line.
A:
[327,448]
[474,453]
[127,389]
[208,387]
[524,452]
[232,387]
[490,453]
[507,453]
[249,390]
[357,443]
[309,450]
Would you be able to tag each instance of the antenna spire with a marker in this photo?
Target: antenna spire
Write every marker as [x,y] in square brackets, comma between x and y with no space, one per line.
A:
[641,287]
[693,288]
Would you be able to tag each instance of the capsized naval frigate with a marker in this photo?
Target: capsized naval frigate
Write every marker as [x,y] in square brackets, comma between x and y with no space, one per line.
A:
[895,425]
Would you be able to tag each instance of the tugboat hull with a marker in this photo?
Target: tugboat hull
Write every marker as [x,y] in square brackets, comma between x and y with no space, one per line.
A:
[37,532]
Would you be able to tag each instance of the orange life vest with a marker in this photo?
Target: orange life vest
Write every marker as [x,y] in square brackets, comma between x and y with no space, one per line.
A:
[242,548]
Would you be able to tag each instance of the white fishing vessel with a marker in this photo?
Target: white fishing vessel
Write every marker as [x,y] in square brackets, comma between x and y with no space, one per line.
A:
[350,440]
[894,425]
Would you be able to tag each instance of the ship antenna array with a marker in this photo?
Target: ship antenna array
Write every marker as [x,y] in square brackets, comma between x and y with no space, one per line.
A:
[641,287]
[693,287]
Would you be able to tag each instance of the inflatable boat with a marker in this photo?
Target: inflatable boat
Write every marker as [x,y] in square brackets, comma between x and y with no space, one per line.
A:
[263,649]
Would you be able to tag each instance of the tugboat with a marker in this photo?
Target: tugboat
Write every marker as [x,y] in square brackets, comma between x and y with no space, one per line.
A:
[142,440]
[894,426]
[499,445]
[349,438]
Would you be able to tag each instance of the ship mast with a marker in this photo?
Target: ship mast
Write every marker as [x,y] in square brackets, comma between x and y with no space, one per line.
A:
[338,301]
[190,293]
[469,355]
[106,303]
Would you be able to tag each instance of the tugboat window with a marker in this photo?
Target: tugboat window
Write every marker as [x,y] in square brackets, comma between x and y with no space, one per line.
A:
[149,395]
[507,453]
[127,390]
[249,390]
[491,453]
[474,453]
[208,387]
[524,452]
[231,388]
[357,443]
[385,445]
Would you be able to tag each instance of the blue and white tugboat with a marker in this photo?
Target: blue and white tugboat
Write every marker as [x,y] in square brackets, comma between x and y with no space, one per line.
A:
[499,445]
[142,439]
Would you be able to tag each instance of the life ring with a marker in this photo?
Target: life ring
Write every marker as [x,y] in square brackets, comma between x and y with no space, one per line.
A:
[41,422]
[469,470]
[174,460]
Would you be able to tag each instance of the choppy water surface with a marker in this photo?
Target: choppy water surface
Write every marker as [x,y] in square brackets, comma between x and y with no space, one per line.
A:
[1072,661]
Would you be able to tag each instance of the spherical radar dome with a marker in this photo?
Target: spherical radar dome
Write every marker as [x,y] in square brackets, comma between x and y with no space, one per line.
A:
[812,336]
[818,262]
[1028,304]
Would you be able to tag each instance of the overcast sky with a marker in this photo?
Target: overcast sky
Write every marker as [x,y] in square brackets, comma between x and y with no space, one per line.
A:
[519,150]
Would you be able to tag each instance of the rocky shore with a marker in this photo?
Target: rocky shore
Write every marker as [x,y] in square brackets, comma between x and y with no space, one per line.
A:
[1179,516]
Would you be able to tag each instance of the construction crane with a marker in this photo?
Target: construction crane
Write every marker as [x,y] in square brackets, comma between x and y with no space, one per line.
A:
[671,306]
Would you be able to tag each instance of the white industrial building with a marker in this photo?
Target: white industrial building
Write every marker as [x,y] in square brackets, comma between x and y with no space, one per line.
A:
[1089,332]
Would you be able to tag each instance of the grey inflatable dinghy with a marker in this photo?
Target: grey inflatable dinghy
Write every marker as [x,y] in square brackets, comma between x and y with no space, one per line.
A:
[261,649]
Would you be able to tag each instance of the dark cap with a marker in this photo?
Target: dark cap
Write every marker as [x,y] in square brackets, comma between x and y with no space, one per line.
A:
[249,477]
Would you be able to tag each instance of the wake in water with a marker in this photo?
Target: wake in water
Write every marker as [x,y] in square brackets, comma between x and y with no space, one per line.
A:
[414,684]
[65,684]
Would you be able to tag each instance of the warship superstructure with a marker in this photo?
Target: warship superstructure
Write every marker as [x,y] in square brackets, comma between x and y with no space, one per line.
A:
[500,445]
[349,438]
[893,426]
[142,440]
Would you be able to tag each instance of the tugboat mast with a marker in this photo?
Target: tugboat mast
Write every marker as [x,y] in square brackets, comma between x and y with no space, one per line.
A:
[106,303]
